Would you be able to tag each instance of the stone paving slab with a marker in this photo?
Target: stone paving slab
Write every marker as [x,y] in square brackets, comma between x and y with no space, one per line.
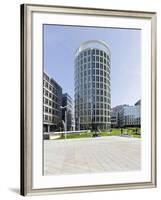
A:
[92,155]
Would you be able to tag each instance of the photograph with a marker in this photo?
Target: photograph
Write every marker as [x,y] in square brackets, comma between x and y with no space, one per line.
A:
[91,99]
[88,99]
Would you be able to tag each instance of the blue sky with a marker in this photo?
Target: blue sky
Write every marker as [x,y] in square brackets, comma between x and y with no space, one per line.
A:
[61,42]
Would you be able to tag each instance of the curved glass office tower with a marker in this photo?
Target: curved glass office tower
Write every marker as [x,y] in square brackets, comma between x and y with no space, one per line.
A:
[92,86]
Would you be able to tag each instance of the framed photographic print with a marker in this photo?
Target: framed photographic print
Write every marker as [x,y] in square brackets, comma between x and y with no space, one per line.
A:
[88,99]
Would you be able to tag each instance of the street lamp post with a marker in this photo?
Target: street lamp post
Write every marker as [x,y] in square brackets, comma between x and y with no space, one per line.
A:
[65,123]
[79,122]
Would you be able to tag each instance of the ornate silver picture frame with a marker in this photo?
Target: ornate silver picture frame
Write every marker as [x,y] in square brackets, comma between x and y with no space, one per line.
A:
[49,162]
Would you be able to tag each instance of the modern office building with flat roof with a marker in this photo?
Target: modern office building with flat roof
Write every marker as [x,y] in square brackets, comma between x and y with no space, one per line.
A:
[115,115]
[93,85]
[67,111]
[52,100]
[130,116]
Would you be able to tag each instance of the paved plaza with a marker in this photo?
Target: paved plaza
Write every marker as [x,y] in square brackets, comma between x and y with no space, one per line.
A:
[92,155]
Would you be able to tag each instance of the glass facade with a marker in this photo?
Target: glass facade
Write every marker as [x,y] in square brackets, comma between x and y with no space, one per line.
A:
[92,87]
[67,111]
[130,116]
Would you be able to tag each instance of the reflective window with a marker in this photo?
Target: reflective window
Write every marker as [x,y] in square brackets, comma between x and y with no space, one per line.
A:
[101,79]
[46,109]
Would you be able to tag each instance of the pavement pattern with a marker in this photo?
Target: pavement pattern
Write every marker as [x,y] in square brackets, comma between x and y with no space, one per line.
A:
[92,155]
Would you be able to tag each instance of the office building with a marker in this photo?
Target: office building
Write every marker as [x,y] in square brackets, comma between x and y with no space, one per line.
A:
[92,85]
[67,111]
[130,116]
[52,100]
[115,116]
